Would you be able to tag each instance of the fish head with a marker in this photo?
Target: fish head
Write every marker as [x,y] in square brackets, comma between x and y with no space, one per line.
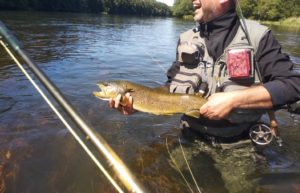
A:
[109,90]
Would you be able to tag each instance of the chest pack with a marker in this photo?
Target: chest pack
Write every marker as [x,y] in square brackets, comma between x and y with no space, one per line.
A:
[240,63]
[234,69]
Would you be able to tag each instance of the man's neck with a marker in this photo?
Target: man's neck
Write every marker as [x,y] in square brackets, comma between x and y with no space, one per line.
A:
[218,24]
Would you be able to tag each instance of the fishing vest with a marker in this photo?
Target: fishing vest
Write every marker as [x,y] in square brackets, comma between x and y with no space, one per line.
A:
[197,68]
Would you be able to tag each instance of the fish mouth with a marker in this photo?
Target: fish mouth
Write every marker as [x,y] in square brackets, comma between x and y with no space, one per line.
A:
[102,86]
[100,95]
[107,90]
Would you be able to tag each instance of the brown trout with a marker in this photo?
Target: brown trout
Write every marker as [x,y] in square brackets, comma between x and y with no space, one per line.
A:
[156,101]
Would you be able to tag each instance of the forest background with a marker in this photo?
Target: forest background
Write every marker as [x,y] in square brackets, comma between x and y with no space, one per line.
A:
[265,10]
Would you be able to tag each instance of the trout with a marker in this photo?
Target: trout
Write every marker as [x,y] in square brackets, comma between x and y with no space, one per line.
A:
[158,101]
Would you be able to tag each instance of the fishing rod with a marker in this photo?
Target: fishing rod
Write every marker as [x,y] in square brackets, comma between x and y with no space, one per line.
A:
[7,40]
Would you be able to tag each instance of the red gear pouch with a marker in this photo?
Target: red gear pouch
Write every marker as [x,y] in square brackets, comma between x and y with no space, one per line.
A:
[239,63]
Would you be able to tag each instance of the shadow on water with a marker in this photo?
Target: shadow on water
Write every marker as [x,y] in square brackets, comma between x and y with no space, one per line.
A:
[37,154]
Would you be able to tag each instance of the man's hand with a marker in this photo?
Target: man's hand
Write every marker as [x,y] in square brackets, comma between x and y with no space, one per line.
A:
[218,106]
[123,104]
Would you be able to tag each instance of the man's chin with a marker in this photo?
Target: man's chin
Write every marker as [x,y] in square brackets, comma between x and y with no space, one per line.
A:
[198,15]
[197,19]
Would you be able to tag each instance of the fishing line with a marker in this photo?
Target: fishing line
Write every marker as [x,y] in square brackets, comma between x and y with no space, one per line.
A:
[96,161]
[177,167]
[188,165]
[157,62]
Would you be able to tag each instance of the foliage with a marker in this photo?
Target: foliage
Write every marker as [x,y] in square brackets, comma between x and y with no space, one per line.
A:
[269,10]
[255,9]
[136,7]
[182,7]
[291,23]
[248,7]
[272,10]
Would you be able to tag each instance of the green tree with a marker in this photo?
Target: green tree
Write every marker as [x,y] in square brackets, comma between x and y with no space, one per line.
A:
[134,7]
[291,8]
[248,8]
[269,10]
[182,7]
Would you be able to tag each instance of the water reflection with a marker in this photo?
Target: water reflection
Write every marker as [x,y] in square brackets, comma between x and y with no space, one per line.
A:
[76,51]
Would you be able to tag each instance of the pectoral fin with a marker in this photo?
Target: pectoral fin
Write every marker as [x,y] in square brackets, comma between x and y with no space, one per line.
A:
[193,113]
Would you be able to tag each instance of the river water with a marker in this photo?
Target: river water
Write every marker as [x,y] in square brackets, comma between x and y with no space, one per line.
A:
[38,154]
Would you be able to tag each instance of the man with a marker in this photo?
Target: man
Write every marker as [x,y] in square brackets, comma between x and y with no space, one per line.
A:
[211,60]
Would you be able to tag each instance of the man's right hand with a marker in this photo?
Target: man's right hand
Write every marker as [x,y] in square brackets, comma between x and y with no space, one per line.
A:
[123,103]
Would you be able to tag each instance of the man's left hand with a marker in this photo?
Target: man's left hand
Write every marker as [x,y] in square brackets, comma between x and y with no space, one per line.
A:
[218,106]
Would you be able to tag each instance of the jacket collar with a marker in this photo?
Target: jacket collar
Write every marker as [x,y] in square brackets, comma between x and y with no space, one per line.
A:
[218,25]
[218,33]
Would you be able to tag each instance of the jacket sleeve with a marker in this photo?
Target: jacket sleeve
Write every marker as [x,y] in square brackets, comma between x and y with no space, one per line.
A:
[277,70]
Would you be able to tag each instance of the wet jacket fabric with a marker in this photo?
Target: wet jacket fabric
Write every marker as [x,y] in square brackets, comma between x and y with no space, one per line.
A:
[276,69]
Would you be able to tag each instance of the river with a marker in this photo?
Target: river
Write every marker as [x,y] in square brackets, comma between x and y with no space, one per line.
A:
[38,154]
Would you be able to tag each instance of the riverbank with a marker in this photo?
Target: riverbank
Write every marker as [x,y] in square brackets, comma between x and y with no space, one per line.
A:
[292,23]
[289,24]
